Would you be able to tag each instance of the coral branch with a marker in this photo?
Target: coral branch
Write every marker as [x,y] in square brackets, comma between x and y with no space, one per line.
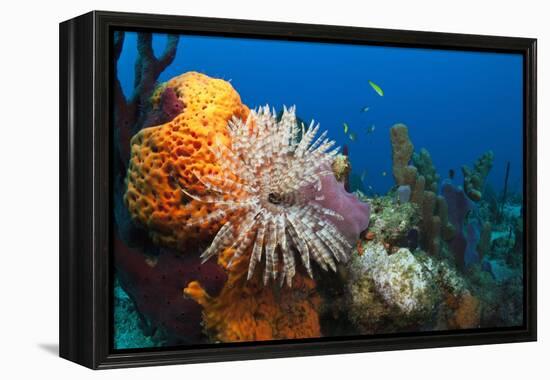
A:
[131,114]
[504,193]
[148,69]
[169,52]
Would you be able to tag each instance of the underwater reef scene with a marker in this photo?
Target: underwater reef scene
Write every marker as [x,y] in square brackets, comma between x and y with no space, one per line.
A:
[238,217]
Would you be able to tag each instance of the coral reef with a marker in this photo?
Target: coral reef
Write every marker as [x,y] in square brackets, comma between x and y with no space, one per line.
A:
[399,278]
[402,291]
[127,324]
[269,195]
[484,244]
[451,233]
[218,169]
[423,183]
[501,299]
[483,251]
[471,255]
[471,240]
[166,158]
[458,207]
[259,191]
[423,162]
[431,224]
[466,312]
[458,307]
[435,226]
[499,270]
[504,193]
[447,229]
[474,179]
[391,223]
[388,292]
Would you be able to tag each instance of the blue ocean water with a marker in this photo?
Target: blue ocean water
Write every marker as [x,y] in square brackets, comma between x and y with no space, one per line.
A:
[456,104]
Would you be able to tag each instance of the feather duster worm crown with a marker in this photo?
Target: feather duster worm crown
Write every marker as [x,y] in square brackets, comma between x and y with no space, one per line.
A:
[267,196]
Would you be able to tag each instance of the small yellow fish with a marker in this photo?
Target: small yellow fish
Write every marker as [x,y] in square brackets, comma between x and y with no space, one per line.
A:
[365,109]
[376,88]
[346,128]
[352,136]
[371,129]
[384,174]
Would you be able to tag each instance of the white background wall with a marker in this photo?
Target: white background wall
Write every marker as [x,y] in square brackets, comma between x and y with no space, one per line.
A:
[29,187]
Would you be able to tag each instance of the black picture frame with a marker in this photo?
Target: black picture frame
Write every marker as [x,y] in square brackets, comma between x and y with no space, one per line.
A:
[85,217]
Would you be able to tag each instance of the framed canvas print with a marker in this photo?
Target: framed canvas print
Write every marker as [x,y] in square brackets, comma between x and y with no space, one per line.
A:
[238,189]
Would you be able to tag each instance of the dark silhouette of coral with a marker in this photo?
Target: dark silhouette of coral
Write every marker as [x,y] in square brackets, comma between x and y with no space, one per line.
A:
[130,114]
[458,207]
[504,193]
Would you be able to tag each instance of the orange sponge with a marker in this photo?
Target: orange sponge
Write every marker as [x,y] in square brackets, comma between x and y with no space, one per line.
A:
[467,312]
[164,158]
[250,311]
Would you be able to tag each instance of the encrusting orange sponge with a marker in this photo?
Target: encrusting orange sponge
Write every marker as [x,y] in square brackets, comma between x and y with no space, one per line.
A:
[249,311]
[467,312]
[163,159]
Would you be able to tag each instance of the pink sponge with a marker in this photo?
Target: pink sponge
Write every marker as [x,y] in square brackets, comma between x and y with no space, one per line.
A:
[356,213]
[168,108]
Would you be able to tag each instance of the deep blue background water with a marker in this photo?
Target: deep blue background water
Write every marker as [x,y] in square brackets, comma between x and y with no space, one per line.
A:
[456,104]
